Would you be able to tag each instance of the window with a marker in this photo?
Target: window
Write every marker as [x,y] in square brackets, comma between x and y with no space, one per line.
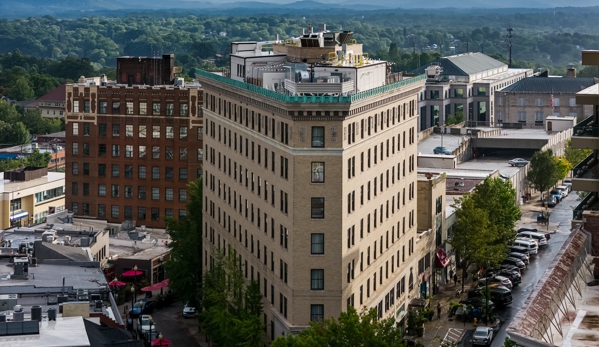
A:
[318,137]
[141,172]
[155,193]
[521,102]
[102,170]
[183,195]
[482,91]
[128,212]
[168,212]
[143,108]
[115,170]
[459,92]
[156,152]
[85,129]
[101,190]
[169,194]
[155,172]
[114,191]
[317,172]
[183,214]
[86,169]
[168,153]
[114,211]
[538,116]
[182,133]
[141,193]
[141,131]
[128,192]
[183,110]
[102,129]
[521,116]
[128,171]
[155,131]
[170,107]
[556,102]
[74,191]
[141,150]
[155,213]
[116,130]
[316,313]
[572,102]
[317,243]
[538,102]
[200,154]
[103,106]
[317,279]
[75,108]
[141,213]
[182,153]
[75,148]
[182,174]
[86,149]
[116,150]
[317,208]
[102,210]
[169,173]
[129,130]
[116,107]
[156,109]
[128,151]
[170,132]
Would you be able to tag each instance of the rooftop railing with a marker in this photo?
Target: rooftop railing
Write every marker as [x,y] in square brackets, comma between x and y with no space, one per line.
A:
[586,204]
[586,168]
[310,98]
[586,128]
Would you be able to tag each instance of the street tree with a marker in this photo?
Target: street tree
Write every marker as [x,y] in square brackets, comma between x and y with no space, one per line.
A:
[575,155]
[350,329]
[543,172]
[185,265]
[474,238]
[498,198]
[38,159]
[563,167]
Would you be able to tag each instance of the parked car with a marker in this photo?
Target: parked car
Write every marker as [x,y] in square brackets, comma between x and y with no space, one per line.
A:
[141,307]
[550,201]
[478,302]
[441,150]
[482,336]
[568,183]
[559,195]
[514,261]
[564,189]
[539,237]
[145,322]
[547,236]
[189,311]
[500,295]
[531,245]
[504,281]
[518,249]
[513,275]
[520,256]
[518,162]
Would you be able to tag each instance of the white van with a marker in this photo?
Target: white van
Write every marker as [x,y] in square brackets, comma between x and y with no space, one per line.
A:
[539,237]
[530,245]
[563,189]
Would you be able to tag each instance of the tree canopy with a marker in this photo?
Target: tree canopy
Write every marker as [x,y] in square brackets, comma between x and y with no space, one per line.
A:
[575,155]
[543,172]
[350,329]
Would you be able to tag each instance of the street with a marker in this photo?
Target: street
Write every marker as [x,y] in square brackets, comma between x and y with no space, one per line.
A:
[171,324]
[561,214]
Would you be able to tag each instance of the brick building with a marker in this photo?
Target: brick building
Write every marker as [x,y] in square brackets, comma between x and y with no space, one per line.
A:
[310,177]
[132,150]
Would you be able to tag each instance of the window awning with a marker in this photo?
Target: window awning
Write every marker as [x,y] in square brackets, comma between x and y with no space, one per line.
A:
[18,215]
[441,259]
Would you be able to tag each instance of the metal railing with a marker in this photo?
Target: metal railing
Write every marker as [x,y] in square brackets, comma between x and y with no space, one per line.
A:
[309,98]
[585,204]
[586,168]
[586,128]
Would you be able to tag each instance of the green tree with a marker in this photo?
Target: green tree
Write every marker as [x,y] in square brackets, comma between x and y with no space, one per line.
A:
[38,159]
[563,167]
[21,90]
[575,155]
[543,172]
[185,265]
[350,329]
[498,198]
[19,135]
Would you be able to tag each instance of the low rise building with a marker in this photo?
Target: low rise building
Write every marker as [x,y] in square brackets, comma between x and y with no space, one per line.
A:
[28,195]
[51,104]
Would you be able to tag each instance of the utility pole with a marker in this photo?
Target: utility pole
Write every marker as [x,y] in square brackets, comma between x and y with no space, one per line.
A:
[510,39]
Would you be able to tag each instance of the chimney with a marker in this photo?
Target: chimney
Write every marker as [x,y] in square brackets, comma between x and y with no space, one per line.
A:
[571,72]
[309,28]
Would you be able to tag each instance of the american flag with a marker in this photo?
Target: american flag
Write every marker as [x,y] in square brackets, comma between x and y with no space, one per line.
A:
[552,105]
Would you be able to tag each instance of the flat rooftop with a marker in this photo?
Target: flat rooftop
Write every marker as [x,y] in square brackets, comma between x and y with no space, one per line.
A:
[509,73]
[46,275]
[69,331]
[149,253]
[7,186]
[486,164]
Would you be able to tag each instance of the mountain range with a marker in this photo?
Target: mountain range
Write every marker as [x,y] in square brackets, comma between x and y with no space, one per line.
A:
[24,8]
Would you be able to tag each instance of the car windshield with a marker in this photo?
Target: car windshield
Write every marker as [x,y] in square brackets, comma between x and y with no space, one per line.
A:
[145,321]
[480,333]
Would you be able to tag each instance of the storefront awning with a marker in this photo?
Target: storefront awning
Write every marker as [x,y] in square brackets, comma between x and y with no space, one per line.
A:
[18,215]
[441,259]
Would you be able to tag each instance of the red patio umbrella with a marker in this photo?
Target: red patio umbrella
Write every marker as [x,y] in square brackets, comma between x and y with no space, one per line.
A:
[116,283]
[150,288]
[132,273]
[161,341]
[162,284]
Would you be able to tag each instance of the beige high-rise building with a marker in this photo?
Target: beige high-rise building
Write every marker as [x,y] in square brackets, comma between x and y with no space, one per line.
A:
[310,176]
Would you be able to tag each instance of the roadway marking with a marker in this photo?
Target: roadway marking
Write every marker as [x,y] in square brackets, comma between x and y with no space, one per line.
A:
[574,328]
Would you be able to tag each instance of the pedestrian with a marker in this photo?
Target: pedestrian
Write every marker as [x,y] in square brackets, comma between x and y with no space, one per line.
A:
[451,274]
[455,279]
[439,310]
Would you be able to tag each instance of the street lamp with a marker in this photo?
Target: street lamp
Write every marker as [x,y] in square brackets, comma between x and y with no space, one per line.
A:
[151,320]
[160,337]
[135,284]
[131,311]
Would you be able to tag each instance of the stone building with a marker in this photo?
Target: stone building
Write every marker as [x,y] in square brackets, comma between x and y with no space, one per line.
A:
[310,177]
[132,150]
[530,101]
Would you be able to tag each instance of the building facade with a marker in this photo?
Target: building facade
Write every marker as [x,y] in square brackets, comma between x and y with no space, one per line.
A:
[28,196]
[132,151]
[52,104]
[531,100]
[464,84]
[311,183]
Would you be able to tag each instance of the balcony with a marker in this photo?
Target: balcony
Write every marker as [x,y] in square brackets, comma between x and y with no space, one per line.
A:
[585,175]
[590,202]
[586,134]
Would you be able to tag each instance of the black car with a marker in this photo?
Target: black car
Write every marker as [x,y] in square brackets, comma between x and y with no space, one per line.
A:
[527,229]
[509,267]
[520,256]
[516,262]
[478,302]
[519,249]
[514,276]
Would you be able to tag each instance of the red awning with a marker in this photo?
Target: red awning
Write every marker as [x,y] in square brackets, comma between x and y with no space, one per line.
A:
[441,259]
[132,273]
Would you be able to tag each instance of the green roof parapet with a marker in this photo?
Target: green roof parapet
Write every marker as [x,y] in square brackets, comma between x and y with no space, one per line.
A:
[326,99]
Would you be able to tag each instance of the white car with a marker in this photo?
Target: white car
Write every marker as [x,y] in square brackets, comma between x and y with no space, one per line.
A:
[145,322]
[482,336]
[189,311]
[564,189]
[518,162]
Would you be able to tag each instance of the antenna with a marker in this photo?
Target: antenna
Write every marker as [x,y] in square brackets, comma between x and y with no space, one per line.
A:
[510,39]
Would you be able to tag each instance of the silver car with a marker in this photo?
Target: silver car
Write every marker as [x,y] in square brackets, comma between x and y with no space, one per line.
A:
[518,162]
[504,281]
